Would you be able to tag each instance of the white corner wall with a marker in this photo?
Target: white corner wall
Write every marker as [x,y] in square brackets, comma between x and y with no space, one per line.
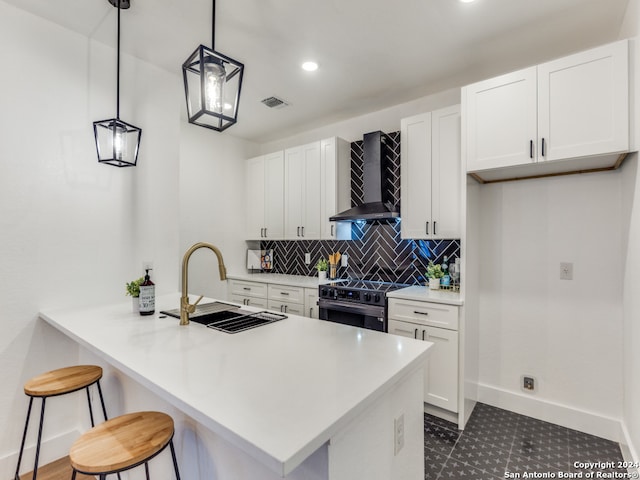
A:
[566,334]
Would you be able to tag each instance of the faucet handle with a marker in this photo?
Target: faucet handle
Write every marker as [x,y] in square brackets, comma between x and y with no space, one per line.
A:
[198,300]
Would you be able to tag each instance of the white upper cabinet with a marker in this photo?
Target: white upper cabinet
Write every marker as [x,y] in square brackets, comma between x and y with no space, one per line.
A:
[302,192]
[265,197]
[501,120]
[335,183]
[583,103]
[569,108]
[430,175]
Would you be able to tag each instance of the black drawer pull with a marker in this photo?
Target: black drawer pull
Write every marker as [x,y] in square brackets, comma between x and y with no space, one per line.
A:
[420,313]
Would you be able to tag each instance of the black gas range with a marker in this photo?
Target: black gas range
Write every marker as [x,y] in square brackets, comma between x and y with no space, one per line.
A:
[359,303]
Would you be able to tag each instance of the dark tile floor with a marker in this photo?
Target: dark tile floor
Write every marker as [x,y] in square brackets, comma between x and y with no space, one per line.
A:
[497,441]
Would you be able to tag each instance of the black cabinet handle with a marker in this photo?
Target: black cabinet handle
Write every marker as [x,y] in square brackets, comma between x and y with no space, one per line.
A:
[284,293]
[332,230]
[530,148]
[265,232]
[422,334]
[420,313]
[434,227]
[415,333]
[246,288]
[298,231]
[427,228]
[543,149]
[302,230]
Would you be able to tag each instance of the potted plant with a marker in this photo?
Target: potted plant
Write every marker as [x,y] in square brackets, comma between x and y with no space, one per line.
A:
[322,266]
[133,290]
[434,274]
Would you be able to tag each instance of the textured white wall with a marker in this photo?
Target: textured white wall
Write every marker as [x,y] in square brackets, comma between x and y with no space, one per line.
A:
[567,334]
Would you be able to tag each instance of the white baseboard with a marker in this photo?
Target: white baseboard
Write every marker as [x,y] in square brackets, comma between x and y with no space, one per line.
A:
[50,450]
[566,416]
[629,453]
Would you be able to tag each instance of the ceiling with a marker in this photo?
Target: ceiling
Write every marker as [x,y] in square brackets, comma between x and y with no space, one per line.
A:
[372,53]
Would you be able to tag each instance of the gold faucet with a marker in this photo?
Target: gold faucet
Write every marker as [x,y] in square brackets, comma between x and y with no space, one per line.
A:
[185,307]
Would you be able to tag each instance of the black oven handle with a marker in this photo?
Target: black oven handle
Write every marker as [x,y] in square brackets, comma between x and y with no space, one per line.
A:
[369,310]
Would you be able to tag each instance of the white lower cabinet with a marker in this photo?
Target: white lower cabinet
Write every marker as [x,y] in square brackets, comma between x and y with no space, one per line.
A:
[414,319]
[249,301]
[286,299]
[286,307]
[311,302]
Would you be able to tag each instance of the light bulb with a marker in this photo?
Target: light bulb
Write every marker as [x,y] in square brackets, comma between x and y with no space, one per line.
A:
[119,142]
[214,77]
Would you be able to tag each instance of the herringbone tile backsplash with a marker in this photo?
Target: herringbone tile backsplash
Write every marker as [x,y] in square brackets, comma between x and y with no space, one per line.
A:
[376,251]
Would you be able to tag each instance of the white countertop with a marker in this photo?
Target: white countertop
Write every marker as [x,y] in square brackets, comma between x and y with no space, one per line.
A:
[277,279]
[278,392]
[424,294]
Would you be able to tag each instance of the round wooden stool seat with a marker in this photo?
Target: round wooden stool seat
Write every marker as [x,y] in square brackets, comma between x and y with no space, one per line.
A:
[63,380]
[122,443]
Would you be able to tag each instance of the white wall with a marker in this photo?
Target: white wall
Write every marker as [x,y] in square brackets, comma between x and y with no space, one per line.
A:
[567,334]
[387,120]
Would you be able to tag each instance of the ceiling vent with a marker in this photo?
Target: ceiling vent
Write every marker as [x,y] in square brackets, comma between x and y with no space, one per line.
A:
[275,102]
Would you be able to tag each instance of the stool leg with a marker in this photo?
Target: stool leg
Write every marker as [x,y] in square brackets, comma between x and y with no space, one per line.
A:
[104,409]
[24,438]
[73,475]
[90,409]
[175,462]
[35,466]
[146,470]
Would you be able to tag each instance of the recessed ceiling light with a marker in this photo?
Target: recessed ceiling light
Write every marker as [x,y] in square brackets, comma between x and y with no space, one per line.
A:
[310,66]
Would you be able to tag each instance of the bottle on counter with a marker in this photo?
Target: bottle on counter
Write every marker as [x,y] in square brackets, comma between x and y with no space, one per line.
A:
[446,278]
[147,296]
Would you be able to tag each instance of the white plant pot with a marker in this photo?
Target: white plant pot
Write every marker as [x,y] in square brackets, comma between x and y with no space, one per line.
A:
[434,283]
[322,276]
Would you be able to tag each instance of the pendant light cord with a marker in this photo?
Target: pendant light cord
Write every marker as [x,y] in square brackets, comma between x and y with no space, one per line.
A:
[118,69]
[213,26]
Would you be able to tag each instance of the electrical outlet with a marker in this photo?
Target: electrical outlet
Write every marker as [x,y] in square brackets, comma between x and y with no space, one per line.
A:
[566,271]
[307,258]
[344,260]
[528,383]
[398,434]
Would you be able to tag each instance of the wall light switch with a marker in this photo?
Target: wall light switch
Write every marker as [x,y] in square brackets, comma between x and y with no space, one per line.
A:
[344,260]
[307,258]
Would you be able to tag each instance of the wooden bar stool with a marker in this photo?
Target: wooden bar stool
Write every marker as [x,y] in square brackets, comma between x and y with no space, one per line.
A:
[123,443]
[55,383]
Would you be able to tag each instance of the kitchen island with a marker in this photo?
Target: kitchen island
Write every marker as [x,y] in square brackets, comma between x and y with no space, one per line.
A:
[299,398]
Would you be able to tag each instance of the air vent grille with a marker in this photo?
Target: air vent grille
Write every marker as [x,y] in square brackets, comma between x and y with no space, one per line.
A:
[274,102]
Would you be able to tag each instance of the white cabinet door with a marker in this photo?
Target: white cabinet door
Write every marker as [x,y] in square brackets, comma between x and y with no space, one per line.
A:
[583,103]
[415,176]
[255,214]
[501,120]
[274,196]
[335,178]
[446,177]
[302,192]
[249,301]
[311,302]
[311,192]
[441,381]
[286,307]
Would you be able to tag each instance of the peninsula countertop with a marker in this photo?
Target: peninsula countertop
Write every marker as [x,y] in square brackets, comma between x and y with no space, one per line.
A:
[279,392]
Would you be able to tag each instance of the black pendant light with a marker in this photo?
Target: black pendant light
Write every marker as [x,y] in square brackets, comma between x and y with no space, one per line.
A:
[212,83]
[117,142]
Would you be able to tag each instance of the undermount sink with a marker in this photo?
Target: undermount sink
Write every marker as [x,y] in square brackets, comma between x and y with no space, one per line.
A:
[228,318]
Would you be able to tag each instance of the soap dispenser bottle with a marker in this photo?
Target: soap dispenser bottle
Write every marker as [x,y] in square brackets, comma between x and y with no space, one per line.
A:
[147,296]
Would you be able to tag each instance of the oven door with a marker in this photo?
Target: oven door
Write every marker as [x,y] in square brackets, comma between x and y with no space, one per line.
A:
[372,317]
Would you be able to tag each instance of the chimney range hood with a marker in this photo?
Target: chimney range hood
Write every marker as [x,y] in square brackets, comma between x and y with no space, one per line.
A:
[378,197]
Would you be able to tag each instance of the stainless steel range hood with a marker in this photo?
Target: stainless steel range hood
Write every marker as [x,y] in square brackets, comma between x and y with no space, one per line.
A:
[378,196]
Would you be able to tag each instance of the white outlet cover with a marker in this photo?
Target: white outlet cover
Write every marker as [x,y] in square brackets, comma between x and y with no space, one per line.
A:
[307,258]
[344,260]
[566,271]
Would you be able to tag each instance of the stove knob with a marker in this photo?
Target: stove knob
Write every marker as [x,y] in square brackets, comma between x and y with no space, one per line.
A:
[367,297]
[324,292]
[377,298]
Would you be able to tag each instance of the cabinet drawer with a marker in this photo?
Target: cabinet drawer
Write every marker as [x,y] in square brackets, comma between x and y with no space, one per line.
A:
[249,301]
[247,289]
[286,307]
[423,313]
[287,294]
